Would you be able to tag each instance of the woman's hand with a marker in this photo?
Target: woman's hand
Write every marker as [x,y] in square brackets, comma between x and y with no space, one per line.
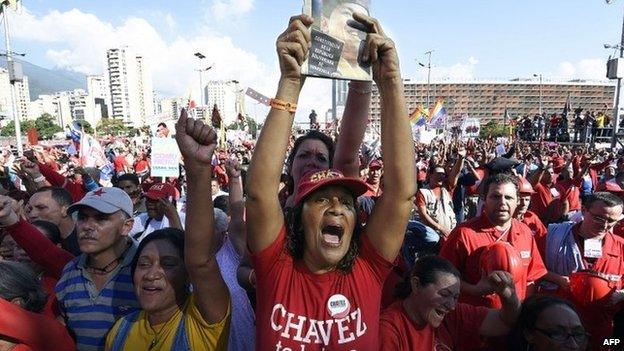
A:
[379,50]
[293,45]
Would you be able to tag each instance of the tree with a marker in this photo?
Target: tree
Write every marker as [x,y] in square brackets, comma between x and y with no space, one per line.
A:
[494,129]
[111,126]
[46,126]
[9,129]
[86,126]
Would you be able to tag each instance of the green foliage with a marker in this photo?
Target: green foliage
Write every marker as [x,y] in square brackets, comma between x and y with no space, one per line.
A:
[46,126]
[111,126]
[494,129]
[9,130]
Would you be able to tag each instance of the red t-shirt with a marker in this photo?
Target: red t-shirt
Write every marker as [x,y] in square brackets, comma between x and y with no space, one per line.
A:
[300,310]
[141,166]
[570,190]
[458,331]
[473,190]
[541,199]
[619,229]
[120,162]
[468,240]
[538,229]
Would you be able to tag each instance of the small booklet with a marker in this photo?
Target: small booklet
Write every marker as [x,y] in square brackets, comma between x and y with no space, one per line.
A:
[337,40]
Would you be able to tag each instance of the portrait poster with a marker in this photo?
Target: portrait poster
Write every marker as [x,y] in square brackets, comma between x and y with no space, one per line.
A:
[337,40]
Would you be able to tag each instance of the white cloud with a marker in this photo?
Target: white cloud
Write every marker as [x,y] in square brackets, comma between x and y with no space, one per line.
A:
[594,68]
[78,41]
[230,9]
[459,70]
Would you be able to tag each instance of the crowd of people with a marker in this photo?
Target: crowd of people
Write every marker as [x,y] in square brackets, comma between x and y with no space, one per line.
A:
[315,243]
[578,127]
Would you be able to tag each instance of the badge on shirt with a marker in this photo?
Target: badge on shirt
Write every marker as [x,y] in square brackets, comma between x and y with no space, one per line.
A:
[525,254]
[593,248]
[338,306]
[554,192]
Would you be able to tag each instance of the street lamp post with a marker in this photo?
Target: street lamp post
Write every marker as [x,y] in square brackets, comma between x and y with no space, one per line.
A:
[9,59]
[540,92]
[201,56]
[428,53]
[616,109]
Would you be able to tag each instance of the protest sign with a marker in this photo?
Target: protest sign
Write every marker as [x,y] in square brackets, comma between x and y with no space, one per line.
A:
[165,159]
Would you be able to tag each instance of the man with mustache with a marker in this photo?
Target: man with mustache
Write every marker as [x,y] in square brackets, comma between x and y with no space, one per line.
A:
[96,287]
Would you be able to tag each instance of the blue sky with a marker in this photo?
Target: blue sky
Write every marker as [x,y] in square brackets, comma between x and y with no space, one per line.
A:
[472,39]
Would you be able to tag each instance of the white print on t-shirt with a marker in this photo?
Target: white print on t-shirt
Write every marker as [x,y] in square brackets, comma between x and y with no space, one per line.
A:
[525,254]
[338,306]
[311,331]
[555,194]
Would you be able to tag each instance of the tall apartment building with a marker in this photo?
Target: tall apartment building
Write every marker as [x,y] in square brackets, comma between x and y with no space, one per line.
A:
[225,94]
[68,106]
[22,96]
[488,100]
[131,94]
[98,88]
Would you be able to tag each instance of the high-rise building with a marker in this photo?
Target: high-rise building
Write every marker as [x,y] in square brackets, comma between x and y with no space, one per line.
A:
[488,100]
[98,88]
[131,94]
[68,106]
[224,94]
[22,96]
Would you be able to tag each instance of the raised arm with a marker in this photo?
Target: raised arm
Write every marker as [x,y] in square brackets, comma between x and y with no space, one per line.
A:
[264,214]
[386,226]
[197,142]
[352,128]
[236,230]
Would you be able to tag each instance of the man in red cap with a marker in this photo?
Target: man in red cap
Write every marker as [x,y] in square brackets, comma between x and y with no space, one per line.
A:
[527,217]
[590,245]
[496,223]
[375,171]
[161,211]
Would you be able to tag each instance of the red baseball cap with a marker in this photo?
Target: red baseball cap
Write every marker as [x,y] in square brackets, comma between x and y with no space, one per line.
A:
[375,164]
[312,181]
[524,186]
[160,191]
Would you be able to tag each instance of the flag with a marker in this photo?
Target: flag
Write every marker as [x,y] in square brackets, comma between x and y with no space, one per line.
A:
[438,114]
[91,152]
[567,107]
[419,115]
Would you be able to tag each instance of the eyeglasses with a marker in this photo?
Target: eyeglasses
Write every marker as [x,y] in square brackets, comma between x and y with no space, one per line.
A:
[603,221]
[562,336]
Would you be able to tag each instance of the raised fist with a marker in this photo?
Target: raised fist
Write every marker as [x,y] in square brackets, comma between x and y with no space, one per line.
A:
[196,140]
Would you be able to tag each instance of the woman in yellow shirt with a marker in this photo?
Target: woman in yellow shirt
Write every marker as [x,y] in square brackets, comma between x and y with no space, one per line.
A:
[169,261]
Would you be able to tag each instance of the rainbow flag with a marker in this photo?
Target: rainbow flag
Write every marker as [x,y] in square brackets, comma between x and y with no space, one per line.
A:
[438,114]
[419,116]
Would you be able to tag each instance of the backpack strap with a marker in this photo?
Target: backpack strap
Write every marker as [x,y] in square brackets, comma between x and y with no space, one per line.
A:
[123,331]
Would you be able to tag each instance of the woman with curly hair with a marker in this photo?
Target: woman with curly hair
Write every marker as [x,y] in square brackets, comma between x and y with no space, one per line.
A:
[319,276]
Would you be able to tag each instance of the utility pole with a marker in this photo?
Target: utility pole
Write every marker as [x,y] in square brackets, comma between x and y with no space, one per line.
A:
[616,109]
[540,92]
[428,53]
[10,69]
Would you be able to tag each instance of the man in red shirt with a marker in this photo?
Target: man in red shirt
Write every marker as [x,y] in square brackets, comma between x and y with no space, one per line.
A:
[616,190]
[496,224]
[528,217]
[590,245]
